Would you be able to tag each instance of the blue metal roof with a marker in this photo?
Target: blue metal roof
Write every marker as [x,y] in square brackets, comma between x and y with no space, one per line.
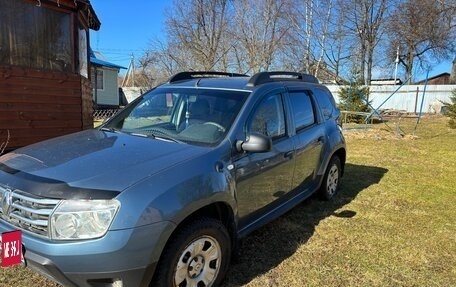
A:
[98,62]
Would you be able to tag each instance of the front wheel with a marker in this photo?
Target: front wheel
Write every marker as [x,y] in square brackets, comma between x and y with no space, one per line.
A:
[330,184]
[197,256]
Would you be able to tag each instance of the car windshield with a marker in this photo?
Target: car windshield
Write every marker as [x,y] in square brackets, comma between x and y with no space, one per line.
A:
[190,115]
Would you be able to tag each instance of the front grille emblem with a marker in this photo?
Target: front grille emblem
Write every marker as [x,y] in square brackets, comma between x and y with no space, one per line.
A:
[6,199]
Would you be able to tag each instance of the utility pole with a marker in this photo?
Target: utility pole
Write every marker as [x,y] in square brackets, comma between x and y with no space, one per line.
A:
[133,69]
[397,63]
[130,73]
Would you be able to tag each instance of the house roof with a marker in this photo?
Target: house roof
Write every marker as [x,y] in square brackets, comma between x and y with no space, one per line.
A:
[386,81]
[94,21]
[96,61]
[433,78]
[326,76]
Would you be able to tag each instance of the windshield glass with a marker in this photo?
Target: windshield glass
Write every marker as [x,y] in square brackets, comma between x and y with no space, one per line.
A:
[199,116]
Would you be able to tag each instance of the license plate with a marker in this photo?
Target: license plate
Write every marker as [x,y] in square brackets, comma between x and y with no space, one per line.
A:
[11,248]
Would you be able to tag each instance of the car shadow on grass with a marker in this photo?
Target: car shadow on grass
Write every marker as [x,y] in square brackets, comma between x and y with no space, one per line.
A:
[267,247]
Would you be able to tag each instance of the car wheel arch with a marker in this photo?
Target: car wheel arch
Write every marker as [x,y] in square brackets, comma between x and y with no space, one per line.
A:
[341,154]
[221,211]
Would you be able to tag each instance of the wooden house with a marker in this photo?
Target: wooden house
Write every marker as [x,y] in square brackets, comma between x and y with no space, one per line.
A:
[45,88]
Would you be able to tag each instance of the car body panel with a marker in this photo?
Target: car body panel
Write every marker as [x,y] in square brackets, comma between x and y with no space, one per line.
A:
[262,179]
[97,159]
[118,252]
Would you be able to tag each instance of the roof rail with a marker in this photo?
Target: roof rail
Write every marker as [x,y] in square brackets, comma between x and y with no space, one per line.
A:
[267,77]
[202,74]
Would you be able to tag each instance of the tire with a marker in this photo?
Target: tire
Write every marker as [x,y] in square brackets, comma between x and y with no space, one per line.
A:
[198,255]
[331,180]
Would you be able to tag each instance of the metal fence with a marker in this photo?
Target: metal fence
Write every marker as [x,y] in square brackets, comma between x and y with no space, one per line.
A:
[100,115]
[409,98]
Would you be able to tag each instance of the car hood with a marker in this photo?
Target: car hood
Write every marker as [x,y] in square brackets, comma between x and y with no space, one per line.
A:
[97,159]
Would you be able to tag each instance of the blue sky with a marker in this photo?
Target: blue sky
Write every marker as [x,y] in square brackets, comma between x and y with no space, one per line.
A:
[127,27]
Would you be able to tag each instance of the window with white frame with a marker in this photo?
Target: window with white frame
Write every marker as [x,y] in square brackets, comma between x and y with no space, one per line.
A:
[97,79]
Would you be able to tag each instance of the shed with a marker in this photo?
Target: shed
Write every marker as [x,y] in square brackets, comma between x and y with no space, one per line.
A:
[440,79]
[45,88]
[105,82]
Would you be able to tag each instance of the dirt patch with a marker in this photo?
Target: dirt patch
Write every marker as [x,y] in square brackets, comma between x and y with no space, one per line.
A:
[403,127]
[376,133]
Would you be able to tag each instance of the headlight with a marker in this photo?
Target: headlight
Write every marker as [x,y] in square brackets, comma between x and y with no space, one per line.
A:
[82,219]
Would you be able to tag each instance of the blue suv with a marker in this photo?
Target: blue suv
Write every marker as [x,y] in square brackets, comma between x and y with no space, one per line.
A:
[161,193]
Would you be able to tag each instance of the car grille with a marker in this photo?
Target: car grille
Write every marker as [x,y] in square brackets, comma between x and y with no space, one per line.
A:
[26,211]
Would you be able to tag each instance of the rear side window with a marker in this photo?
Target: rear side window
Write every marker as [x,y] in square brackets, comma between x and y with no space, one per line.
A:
[326,102]
[303,112]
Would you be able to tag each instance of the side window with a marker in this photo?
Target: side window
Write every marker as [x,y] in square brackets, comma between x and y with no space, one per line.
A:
[268,118]
[303,112]
[326,102]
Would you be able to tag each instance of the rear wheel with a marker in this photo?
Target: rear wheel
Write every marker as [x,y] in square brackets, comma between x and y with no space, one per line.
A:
[198,256]
[330,184]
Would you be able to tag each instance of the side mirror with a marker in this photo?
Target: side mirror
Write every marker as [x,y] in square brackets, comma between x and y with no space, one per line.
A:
[255,142]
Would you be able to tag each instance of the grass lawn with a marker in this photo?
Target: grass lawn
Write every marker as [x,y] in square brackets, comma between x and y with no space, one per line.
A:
[392,224]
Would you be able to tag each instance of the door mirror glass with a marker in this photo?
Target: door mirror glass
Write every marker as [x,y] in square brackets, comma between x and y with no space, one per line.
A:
[255,142]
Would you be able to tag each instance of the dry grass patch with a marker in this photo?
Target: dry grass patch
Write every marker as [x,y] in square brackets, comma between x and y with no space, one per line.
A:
[392,223]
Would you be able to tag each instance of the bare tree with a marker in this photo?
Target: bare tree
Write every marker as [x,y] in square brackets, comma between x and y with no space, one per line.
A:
[309,25]
[261,27]
[163,60]
[318,37]
[366,21]
[340,48]
[323,36]
[197,26]
[423,30]
[340,36]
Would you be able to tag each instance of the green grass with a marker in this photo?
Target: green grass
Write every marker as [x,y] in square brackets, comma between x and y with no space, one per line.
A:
[392,223]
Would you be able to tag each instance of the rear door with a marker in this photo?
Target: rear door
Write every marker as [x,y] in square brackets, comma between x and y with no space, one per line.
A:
[309,139]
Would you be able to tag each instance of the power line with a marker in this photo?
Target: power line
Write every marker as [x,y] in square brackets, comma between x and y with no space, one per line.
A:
[120,50]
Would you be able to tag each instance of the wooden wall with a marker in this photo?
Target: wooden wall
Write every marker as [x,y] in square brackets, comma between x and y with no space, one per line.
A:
[87,104]
[442,80]
[37,105]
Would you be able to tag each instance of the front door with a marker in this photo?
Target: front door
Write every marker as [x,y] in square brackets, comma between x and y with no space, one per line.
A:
[264,178]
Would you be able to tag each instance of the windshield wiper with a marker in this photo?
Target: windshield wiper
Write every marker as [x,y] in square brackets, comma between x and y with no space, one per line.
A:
[166,138]
[112,130]
[155,136]
[140,135]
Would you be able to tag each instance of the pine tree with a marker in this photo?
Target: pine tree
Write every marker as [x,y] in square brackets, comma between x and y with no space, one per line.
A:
[353,99]
[451,110]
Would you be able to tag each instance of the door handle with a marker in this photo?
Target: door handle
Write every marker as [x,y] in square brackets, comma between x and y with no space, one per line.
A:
[289,154]
[262,164]
[318,141]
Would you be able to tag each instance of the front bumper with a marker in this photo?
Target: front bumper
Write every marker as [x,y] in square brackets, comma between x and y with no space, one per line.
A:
[126,256]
